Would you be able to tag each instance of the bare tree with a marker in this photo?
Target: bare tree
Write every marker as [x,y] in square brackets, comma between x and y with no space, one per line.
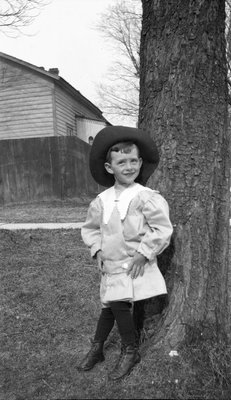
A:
[16,14]
[183,104]
[121,26]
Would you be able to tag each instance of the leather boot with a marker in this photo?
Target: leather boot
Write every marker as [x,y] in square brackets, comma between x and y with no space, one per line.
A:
[128,358]
[94,356]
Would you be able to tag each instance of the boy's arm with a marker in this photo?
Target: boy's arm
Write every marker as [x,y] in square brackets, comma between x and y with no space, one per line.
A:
[90,231]
[156,213]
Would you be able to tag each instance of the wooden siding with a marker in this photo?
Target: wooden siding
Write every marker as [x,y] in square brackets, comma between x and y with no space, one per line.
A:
[86,128]
[26,104]
[67,109]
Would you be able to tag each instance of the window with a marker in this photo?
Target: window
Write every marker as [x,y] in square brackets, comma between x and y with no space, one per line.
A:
[70,131]
[90,140]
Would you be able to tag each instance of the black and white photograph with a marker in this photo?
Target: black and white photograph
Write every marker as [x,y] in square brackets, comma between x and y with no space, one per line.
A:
[115,272]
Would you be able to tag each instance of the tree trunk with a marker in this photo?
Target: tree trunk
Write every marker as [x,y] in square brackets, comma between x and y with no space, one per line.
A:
[183,104]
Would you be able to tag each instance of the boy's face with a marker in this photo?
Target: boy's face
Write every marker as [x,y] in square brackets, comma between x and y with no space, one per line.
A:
[124,166]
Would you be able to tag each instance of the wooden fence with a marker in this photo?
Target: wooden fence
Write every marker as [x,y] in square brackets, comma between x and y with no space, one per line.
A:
[44,168]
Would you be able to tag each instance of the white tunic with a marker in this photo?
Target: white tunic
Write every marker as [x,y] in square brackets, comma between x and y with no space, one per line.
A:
[137,221]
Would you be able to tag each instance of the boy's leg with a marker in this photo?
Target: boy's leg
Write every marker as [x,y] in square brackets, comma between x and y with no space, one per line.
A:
[105,324]
[138,318]
[129,351]
[123,316]
[104,327]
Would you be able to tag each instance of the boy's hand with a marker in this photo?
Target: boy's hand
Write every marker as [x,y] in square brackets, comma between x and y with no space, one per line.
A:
[99,261]
[136,265]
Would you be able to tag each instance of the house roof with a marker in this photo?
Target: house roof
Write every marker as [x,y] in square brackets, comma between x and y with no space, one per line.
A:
[53,74]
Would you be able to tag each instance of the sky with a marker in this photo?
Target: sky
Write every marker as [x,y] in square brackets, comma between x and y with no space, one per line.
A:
[63,36]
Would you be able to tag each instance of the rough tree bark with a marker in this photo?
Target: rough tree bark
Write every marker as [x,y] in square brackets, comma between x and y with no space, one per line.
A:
[183,104]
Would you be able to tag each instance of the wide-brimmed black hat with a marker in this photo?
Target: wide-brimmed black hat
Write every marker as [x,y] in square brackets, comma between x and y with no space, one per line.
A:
[111,135]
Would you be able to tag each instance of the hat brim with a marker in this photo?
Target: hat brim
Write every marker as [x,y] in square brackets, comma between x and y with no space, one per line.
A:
[111,135]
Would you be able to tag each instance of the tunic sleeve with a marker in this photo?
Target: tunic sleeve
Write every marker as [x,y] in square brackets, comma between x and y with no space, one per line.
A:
[91,232]
[157,237]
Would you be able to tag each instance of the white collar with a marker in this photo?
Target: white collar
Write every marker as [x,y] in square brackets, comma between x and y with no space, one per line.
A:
[109,200]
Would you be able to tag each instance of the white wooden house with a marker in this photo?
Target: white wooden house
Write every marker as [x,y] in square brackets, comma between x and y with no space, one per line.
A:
[36,103]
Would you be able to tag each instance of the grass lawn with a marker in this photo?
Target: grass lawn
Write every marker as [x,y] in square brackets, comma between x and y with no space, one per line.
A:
[46,211]
[49,309]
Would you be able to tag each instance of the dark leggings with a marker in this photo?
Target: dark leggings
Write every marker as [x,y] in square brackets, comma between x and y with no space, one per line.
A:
[119,311]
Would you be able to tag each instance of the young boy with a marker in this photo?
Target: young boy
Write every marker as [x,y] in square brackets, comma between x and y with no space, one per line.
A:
[127,226]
